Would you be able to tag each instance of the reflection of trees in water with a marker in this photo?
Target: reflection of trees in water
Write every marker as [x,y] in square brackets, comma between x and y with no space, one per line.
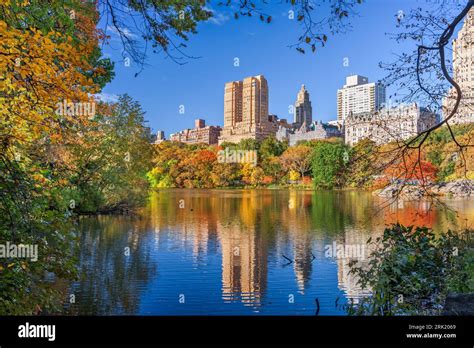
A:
[456,215]
[286,222]
[259,223]
[333,212]
[111,282]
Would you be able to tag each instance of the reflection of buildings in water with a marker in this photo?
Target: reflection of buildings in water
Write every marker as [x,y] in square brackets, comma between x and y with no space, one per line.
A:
[203,231]
[303,264]
[298,224]
[232,222]
[356,240]
[348,282]
[244,264]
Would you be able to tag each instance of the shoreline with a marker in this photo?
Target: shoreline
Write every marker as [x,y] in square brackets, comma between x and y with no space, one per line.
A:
[461,188]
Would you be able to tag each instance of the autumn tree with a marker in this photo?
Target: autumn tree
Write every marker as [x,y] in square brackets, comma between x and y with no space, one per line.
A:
[425,75]
[297,158]
[411,168]
[49,56]
[363,164]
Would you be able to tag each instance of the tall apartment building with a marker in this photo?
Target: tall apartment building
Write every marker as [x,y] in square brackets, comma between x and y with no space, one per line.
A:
[388,124]
[303,109]
[463,74]
[200,134]
[246,110]
[233,103]
[359,96]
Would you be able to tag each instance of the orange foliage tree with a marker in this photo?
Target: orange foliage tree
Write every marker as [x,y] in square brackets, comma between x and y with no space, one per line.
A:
[411,167]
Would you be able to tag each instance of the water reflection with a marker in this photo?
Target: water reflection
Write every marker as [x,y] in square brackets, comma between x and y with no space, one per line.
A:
[236,251]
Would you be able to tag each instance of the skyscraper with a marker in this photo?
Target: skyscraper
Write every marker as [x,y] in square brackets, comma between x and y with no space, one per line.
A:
[463,74]
[232,103]
[246,110]
[359,96]
[303,109]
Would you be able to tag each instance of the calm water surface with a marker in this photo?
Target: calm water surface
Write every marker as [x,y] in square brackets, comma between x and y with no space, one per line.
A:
[227,252]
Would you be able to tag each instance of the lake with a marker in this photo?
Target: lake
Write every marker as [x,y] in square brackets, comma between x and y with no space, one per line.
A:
[238,252]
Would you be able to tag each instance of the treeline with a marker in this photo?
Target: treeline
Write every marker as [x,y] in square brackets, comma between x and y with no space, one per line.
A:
[63,153]
[322,164]
[249,163]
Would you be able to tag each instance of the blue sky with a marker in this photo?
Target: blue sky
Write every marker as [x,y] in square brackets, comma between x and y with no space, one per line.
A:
[262,49]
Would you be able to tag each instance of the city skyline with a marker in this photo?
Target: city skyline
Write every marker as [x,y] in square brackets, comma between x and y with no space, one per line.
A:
[261,49]
[362,108]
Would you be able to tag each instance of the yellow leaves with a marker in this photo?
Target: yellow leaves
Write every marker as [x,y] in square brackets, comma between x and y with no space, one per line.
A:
[39,178]
[63,182]
[23,265]
[294,175]
[37,72]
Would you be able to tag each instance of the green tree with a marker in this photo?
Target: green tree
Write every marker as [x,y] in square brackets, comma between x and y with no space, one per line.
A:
[411,270]
[271,147]
[110,163]
[362,165]
[328,163]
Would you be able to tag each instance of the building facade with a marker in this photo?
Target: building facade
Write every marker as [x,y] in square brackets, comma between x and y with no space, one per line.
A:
[359,96]
[315,131]
[246,110]
[389,124]
[463,74]
[200,134]
[303,109]
[160,137]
